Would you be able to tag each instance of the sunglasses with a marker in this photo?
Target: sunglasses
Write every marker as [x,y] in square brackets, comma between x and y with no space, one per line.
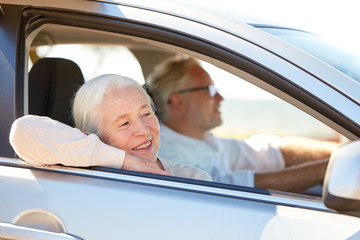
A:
[211,88]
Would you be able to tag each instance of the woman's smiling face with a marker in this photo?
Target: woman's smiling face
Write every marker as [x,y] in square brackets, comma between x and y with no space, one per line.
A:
[128,122]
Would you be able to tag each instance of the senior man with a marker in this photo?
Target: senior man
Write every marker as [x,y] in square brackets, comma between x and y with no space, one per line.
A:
[188,103]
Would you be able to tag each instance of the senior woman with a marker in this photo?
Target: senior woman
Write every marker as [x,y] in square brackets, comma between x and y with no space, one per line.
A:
[116,127]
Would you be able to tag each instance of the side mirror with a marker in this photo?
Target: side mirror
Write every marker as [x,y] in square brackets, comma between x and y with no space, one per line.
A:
[341,190]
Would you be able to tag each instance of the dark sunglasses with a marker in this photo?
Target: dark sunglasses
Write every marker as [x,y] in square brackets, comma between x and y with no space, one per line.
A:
[212,90]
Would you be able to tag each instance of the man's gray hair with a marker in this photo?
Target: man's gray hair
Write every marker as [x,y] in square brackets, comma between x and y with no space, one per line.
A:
[168,77]
[88,100]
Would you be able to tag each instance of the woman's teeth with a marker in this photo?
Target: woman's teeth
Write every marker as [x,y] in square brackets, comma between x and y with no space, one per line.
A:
[145,145]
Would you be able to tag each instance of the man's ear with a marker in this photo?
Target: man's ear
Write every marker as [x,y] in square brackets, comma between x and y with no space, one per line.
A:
[175,101]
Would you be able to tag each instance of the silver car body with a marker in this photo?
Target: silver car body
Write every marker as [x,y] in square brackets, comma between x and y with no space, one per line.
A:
[71,203]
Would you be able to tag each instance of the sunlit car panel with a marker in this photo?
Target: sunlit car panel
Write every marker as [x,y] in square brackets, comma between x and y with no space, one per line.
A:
[128,203]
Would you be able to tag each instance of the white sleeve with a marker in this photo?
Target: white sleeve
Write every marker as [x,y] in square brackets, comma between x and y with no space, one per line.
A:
[266,150]
[43,141]
[260,153]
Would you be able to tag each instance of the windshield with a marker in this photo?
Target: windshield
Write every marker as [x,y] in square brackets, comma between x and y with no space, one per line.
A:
[344,61]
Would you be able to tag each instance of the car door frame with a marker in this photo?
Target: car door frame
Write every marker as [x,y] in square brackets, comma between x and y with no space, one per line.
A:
[236,62]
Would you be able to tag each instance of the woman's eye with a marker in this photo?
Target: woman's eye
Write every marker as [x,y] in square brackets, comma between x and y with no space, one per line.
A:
[147,114]
[124,124]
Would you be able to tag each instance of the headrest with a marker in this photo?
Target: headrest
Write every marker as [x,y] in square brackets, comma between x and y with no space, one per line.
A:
[52,85]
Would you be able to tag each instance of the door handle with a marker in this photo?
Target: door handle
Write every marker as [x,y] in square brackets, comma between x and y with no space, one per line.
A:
[12,231]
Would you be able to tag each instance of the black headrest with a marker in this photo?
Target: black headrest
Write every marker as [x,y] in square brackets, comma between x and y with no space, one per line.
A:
[52,84]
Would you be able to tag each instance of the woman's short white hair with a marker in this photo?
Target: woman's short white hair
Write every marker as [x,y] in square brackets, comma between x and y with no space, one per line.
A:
[168,77]
[88,100]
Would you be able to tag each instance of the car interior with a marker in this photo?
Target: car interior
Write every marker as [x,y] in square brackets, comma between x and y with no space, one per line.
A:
[52,84]
[54,78]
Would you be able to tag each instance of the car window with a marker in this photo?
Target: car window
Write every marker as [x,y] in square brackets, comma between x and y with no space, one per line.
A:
[245,106]
[344,59]
[247,110]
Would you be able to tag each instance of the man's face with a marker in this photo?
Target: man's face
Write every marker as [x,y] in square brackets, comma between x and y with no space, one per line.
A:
[129,123]
[203,109]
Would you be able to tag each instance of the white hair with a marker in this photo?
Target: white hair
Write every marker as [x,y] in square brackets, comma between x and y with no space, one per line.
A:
[168,77]
[88,100]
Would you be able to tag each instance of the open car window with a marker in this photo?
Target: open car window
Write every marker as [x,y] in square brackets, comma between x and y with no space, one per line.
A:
[246,110]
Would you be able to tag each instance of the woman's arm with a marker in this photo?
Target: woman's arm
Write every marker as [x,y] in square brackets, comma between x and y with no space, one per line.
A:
[42,141]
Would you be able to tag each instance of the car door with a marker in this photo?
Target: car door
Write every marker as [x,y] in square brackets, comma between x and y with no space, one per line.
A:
[94,204]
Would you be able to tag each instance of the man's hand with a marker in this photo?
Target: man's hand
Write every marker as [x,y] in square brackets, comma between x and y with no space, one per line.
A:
[133,163]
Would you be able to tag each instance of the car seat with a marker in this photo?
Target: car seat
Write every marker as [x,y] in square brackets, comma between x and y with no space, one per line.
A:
[52,84]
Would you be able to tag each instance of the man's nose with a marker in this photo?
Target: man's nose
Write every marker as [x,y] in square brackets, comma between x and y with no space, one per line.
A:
[218,97]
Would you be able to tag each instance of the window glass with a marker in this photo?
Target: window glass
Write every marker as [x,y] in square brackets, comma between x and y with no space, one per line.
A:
[340,57]
[248,110]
